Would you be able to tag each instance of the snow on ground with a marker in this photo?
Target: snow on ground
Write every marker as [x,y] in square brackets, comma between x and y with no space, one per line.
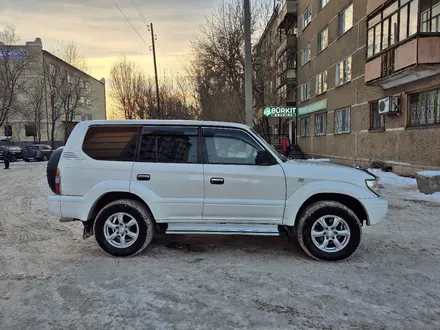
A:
[429,174]
[52,279]
[409,185]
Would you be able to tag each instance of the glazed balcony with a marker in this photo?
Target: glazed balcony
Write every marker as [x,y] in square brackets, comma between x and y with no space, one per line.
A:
[289,42]
[287,13]
[403,43]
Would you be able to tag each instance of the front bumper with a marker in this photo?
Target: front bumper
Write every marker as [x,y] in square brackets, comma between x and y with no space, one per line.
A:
[377,209]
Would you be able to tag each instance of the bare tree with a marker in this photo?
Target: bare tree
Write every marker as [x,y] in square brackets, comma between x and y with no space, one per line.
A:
[8,36]
[217,62]
[72,86]
[34,112]
[135,95]
[13,65]
[124,78]
[70,53]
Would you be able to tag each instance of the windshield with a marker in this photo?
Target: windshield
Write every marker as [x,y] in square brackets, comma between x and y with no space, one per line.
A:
[269,146]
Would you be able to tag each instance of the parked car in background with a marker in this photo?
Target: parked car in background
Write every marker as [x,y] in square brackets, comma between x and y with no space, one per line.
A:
[37,152]
[17,152]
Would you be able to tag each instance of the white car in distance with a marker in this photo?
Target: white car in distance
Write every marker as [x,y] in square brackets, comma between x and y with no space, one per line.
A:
[126,180]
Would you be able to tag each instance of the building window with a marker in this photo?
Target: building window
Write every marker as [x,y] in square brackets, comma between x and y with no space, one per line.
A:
[30,130]
[304,92]
[394,23]
[304,126]
[8,130]
[321,124]
[321,82]
[377,121]
[342,121]
[307,17]
[87,87]
[345,20]
[323,40]
[89,103]
[306,55]
[425,108]
[430,16]
[322,3]
[343,71]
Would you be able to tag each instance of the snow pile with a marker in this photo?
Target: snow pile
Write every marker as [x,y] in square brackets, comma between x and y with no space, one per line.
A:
[409,185]
[429,174]
[389,178]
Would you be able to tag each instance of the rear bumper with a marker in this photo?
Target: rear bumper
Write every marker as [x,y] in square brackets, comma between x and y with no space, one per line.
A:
[377,209]
[69,207]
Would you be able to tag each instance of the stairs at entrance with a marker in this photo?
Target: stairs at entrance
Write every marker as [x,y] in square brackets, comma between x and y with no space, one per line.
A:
[295,151]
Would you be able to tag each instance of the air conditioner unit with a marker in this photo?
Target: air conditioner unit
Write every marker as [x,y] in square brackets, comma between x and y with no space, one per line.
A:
[389,105]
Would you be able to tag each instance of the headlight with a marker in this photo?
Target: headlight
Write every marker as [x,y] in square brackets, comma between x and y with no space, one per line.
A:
[373,185]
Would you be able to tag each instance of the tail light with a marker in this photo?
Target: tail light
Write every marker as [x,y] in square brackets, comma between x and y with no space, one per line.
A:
[58,182]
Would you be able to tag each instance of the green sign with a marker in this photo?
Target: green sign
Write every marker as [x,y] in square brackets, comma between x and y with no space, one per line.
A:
[279,111]
[320,105]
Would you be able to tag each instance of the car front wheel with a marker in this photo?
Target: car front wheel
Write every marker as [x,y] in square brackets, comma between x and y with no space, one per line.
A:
[124,228]
[328,230]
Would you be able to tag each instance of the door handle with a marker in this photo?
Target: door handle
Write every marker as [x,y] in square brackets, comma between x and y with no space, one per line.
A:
[217,180]
[143,177]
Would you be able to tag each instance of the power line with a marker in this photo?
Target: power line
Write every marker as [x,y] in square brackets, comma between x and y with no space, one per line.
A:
[136,6]
[135,30]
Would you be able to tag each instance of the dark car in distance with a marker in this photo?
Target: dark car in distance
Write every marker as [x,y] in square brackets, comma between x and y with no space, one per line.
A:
[17,152]
[37,152]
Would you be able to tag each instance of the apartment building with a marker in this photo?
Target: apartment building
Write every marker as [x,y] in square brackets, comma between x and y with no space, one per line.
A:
[47,84]
[276,72]
[369,82]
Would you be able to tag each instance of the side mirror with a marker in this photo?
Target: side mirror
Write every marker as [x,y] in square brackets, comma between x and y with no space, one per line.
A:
[264,157]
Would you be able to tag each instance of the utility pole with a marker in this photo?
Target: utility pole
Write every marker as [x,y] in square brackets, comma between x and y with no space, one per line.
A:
[153,39]
[248,64]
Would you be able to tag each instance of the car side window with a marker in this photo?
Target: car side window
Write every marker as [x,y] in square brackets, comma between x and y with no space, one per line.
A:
[229,146]
[176,144]
[111,143]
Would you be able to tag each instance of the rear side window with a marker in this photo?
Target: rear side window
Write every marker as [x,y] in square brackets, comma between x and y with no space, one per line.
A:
[169,145]
[111,143]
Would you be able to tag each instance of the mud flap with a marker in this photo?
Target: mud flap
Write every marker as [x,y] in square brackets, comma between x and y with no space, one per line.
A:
[88,229]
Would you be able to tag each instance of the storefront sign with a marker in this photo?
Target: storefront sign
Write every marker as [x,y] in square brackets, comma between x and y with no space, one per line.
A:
[279,111]
[13,53]
[320,105]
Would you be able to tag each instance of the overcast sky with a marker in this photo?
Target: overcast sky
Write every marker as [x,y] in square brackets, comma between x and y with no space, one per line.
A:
[103,34]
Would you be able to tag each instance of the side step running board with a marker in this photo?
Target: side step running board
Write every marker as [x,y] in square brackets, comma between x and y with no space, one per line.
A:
[223,229]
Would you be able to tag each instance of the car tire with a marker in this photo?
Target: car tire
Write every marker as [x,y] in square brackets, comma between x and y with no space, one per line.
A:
[26,160]
[52,166]
[329,231]
[107,227]
[45,158]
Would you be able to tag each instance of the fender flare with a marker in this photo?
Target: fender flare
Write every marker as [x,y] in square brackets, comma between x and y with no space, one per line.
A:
[308,190]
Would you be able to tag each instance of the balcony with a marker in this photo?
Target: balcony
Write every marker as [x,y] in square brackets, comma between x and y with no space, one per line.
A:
[287,13]
[287,77]
[416,59]
[289,42]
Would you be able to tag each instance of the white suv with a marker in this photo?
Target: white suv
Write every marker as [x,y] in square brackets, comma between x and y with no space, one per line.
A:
[126,180]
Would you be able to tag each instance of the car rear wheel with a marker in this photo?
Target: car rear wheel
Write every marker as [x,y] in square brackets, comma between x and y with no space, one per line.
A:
[328,230]
[124,228]
[52,166]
